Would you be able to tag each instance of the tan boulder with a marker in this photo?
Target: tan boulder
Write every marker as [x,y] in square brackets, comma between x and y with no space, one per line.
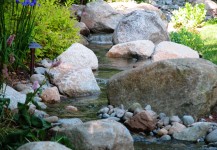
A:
[51,95]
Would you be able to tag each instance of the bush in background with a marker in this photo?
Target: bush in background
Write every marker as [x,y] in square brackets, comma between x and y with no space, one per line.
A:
[55,31]
[190,39]
[189,16]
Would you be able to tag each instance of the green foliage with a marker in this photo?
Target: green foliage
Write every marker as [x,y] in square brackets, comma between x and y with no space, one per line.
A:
[21,127]
[189,17]
[16,26]
[211,21]
[55,30]
[190,39]
[63,140]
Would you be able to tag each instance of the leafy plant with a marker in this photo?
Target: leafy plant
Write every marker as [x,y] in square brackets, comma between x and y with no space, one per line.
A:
[189,17]
[190,39]
[55,30]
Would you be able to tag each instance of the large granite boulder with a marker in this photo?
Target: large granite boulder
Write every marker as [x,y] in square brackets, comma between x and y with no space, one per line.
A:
[43,145]
[175,86]
[99,135]
[74,82]
[74,76]
[14,96]
[100,17]
[141,25]
[78,56]
[170,50]
[138,49]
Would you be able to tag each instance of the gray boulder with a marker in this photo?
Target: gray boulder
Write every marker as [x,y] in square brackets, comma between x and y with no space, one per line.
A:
[188,85]
[44,145]
[141,25]
[100,135]
[100,17]
[197,131]
[212,136]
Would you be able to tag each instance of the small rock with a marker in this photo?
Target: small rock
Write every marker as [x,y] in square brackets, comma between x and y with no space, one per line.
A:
[162,115]
[103,110]
[32,109]
[71,108]
[37,99]
[175,119]
[166,121]
[188,120]
[43,145]
[121,106]
[148,107]
[113,114]
[135,106]
[137,110]
[51,119]
[167,127]
[40,114]
[165,138]
[119,112]
[162,132]
[100,116]
[37,77]
[212,137]
[105,116]
[40,70]
[160,123]
[51,95]
[176,127]
[110,111]
[110,106]
[46,63]
[127,115]
[42,105]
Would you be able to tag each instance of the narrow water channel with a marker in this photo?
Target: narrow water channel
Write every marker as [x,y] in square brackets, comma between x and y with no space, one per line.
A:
[88,106]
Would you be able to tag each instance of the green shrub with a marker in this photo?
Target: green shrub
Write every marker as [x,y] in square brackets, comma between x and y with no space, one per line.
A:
[190,39]
[189,17]
[54,30]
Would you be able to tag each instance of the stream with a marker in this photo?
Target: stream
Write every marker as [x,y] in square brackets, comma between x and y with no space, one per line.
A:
[88,106]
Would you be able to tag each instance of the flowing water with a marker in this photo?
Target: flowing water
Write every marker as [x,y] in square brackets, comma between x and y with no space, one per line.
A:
[88,106]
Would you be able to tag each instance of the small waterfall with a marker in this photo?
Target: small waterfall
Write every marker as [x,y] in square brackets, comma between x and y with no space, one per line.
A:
[100,38]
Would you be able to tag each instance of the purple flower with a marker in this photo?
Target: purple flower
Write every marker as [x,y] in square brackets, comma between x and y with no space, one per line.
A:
[26,3]
[17,1]
[35,85]
[33,3]
[10,40]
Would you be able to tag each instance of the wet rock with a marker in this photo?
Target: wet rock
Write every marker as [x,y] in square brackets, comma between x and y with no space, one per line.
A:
[198,130]
[170,79]
[105,116]
[51,119]
[100,134]
[141,122]
[71,108]
[171,50]
[38,77]
[141,25]
[165,138]
[51,95]
[176,127]
[212,136]
[43,145]
[188,120]
[141,49]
